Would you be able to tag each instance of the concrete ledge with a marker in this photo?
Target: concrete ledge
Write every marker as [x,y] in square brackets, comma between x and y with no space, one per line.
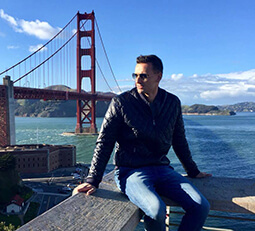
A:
[106,209]
[110,210]
[227,194]
[235,195]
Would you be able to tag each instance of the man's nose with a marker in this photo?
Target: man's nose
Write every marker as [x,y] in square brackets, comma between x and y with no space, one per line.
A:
[139,79]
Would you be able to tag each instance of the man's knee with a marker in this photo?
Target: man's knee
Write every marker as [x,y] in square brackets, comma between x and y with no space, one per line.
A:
[199,202]
[205,206]
[157,212]
[201,209]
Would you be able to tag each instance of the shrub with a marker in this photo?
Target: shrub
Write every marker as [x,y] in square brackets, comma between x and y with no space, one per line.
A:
[4,227]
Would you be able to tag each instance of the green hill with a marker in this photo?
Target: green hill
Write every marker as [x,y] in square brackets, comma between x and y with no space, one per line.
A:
[239,107]
[50,108]
[201,109]
[55,108]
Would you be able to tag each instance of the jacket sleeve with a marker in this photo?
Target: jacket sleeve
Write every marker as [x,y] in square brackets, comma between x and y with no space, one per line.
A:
[105,143]
[181,147]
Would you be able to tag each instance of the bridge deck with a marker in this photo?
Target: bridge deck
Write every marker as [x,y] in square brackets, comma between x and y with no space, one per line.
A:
[37,93]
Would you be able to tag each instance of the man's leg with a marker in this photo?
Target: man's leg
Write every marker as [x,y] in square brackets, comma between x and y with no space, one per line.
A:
[138,185]
[176,187]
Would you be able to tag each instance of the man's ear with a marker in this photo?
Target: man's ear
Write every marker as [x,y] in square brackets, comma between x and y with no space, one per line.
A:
[159,77]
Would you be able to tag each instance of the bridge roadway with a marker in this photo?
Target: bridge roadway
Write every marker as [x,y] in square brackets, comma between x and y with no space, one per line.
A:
[36,93]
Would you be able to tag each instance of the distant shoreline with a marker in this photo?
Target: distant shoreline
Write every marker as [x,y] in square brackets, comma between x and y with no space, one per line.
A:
[207,114]
[39,108]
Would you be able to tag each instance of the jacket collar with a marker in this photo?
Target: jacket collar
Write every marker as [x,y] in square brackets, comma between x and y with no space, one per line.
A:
[157,99]
[156,105]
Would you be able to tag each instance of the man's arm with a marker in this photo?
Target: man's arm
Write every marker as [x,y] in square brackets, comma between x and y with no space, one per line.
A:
[181,147]
[104,147]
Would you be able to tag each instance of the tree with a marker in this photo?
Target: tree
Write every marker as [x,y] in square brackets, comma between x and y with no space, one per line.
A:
[7,162]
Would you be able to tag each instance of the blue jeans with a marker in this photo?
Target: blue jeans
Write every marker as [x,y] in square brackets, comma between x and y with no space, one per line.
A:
[143,187]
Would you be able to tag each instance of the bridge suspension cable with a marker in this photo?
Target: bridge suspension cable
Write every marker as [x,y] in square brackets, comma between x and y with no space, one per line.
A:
[53,53]
[53,63]
[103,75]
[107,56]
[45,59]
[98,66]
[39,49]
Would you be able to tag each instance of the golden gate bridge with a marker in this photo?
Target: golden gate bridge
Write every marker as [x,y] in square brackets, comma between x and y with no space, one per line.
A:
[53,64]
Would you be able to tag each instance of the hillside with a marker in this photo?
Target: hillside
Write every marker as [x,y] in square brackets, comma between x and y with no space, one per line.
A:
[61,108]
[55,108]
[239,107]
[201,109]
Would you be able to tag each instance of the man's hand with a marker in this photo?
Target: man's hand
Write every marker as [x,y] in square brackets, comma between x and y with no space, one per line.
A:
[203,175]
[85,187]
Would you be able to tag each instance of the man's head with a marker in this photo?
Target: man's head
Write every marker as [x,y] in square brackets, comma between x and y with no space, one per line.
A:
[148,73]
[153,59]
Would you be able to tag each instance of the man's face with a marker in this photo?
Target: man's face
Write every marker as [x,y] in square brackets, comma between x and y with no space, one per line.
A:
[147,85]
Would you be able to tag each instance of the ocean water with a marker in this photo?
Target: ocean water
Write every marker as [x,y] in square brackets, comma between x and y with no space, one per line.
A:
[221,145]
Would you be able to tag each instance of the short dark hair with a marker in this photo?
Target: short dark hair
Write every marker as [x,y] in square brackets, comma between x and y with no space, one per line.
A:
[153,59]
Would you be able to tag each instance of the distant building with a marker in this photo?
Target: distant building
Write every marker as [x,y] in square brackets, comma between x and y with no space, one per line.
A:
[41,158]
[15,205]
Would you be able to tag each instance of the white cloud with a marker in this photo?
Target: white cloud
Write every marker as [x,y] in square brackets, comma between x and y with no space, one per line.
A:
[216,82]
[12,47]
[242,75]
[231,90]
[176,77]
[212,88]
[41,30]
[8,18]
[252,80]
[36,47]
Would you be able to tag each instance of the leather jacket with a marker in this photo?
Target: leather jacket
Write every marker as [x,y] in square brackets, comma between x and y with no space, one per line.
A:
[143,133]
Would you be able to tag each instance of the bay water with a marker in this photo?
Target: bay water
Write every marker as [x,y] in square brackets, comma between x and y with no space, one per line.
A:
[221,145]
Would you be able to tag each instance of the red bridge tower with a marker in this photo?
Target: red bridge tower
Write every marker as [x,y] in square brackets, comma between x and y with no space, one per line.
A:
[86,108]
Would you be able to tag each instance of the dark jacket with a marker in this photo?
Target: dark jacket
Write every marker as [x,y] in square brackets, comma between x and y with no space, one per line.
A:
[143,133]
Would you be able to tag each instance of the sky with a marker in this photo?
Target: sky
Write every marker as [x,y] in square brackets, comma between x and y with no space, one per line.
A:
[207,47]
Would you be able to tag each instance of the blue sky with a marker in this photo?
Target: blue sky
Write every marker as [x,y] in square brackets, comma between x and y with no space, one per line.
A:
[207,47]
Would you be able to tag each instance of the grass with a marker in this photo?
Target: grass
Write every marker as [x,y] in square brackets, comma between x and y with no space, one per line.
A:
[31,212]
[25,192]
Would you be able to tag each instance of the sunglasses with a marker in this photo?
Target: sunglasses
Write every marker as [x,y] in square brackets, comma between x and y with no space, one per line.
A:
[142,76]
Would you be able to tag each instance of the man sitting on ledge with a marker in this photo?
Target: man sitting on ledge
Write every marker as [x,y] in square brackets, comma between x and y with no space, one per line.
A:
[144,123]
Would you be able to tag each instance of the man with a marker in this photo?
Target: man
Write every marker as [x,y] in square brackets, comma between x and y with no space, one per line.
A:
[144,123]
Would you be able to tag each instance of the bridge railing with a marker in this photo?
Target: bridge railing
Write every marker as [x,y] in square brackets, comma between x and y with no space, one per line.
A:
[108,209]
